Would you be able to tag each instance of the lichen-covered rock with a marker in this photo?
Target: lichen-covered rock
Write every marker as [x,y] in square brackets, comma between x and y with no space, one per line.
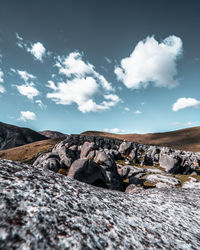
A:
[44,210]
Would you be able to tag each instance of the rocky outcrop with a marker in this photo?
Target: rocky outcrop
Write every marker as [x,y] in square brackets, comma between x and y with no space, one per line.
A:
[119,162]
[13,136]
[44,210]
[53,134]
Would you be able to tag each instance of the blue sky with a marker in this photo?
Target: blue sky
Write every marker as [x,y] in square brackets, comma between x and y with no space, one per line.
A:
[125,67]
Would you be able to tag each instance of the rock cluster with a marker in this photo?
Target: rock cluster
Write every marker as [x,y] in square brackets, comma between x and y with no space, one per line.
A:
[108,163]
[41,209]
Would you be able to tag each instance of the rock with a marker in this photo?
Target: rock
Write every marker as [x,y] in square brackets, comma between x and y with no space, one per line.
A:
[51,164]
[44,210]
[86,148]
[103,159]
[132,189]
[87,171]
[125,147]
[148,161]
[135,180]
[44,157]
[162,185]
[192,185]
[155,178]
[170,163]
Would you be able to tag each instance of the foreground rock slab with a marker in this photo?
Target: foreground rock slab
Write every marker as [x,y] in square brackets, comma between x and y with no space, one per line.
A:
[40,209]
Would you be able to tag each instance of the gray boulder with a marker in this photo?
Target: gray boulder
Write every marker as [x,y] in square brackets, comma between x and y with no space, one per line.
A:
[86,148]
[125,147]
[171,163]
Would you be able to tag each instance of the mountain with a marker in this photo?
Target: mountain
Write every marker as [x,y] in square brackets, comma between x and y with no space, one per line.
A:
[29,152]
[184,139]
[53,134]
[45,210]
[13,136]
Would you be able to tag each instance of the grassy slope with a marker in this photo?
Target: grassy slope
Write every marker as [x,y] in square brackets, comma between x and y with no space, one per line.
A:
[29,152]
[185,139]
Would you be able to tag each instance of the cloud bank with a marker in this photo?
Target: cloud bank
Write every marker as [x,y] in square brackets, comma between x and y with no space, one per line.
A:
[151,61]
[183,103]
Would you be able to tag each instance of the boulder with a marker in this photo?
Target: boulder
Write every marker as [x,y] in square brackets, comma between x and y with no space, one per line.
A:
[155,178]
[87,171]
[125,147]
[102,158]
[171,163]
[52,164]
[86,148]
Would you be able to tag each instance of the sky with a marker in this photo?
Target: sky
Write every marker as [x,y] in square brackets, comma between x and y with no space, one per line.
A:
[117,66]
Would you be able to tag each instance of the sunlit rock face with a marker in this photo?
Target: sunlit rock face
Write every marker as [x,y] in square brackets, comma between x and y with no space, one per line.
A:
[41,209]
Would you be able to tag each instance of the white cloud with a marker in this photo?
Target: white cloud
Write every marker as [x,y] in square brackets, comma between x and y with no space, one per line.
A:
[25,75]
[81,91]
[37,50]
[151,61]
[28,90]
[114,130]
[74,66]
[41,104]
[51,85]
[183,103]
[126,109]
[27,115]
[2,89]
[137,112]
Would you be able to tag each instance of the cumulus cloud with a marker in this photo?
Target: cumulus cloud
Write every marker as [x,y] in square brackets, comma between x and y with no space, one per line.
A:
[27,115]
[137,112]
[114,130]
[74,66]
[25,75]
[2,89]
[183,103]
[36,49]
[28,90]
[81,92]
[151,61]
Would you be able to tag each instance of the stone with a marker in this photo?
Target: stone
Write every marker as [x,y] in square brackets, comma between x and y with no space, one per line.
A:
[41,209]
[170,163]
[86,148]
[125,147]
[155,178]
[87,171]
[51,164]
[132,189]
[103,159]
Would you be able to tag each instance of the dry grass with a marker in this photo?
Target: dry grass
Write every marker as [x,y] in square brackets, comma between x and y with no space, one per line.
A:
[29,152]
[184,139]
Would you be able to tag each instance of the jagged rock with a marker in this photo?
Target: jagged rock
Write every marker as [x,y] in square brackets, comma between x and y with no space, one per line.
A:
[44,210]
[155,178]
[51,164]
[86,148]
[125,147]
[103,159]
[42,158]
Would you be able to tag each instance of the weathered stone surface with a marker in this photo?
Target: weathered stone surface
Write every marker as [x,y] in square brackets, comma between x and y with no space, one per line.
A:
[170,163]
[103,159]
[86,148]
[155,178]
[125,147]
[87,171]
[132,188]
[44,210]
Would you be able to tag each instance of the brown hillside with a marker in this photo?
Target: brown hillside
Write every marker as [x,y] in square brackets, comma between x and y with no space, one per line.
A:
[185,139]
[29,152]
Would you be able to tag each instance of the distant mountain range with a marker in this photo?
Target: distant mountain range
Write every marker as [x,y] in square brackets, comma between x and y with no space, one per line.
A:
[53,134]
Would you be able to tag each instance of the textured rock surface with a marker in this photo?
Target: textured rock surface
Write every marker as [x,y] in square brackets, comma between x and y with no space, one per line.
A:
[13,136]
[44,210]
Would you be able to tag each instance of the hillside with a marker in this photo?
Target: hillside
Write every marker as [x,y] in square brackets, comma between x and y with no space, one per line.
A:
[29,152]
[184,139]
[13,136]
[52,134]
